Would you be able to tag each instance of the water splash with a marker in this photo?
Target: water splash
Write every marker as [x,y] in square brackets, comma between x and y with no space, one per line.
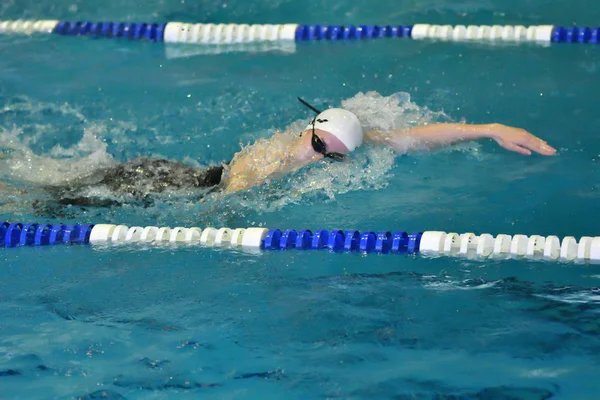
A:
[366,169]
[386,113]
[34,152]
[45,143]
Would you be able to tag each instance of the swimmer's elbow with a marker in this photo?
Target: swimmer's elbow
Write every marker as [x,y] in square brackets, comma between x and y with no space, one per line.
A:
[398,141]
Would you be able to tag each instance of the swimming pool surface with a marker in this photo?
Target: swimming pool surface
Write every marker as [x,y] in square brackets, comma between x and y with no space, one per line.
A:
[158,322]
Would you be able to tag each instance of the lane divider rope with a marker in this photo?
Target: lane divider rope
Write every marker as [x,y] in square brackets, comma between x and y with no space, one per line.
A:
[180,32]
[429,243]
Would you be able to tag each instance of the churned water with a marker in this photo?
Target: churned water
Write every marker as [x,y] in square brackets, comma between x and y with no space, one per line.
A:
[139,322]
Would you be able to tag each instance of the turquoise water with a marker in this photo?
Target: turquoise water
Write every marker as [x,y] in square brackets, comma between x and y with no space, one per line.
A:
[141,322]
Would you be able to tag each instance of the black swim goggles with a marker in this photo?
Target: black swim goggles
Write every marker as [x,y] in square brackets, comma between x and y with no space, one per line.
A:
[317,143]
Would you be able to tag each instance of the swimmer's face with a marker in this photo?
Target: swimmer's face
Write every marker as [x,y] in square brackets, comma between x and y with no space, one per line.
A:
[324,144]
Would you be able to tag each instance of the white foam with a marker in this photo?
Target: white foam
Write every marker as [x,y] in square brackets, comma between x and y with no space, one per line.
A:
[386,113]
[28,127]
[60,165]
[368,168]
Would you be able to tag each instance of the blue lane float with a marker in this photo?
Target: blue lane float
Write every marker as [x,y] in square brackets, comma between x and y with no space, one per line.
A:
[340,32]
[15,234]
[32,234]
[138,31]
[436,243]
[179,32]
[576,34]
[343,241]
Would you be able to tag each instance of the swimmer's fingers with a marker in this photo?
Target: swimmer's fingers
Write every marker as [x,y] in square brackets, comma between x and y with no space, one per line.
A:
[530,142]
[523,142]
[515,147]
[541,147]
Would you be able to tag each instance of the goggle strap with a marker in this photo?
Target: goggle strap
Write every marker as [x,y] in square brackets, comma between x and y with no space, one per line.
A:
[306,104]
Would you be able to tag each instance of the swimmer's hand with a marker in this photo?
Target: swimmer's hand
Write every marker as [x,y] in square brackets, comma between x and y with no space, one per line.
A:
[519,140]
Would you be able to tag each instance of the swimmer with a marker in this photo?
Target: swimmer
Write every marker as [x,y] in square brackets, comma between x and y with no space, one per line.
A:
[335,133]
[331,135]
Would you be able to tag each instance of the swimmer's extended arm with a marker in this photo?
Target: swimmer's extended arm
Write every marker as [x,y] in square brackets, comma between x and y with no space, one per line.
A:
[429,137]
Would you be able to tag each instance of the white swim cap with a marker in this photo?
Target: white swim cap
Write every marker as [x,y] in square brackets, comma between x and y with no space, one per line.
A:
[342,124]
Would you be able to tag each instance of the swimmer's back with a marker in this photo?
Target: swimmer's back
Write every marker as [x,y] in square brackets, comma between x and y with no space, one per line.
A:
[136,180]
[157,175]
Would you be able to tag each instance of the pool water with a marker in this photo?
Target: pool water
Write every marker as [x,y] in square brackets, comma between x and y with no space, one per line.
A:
[156,322]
